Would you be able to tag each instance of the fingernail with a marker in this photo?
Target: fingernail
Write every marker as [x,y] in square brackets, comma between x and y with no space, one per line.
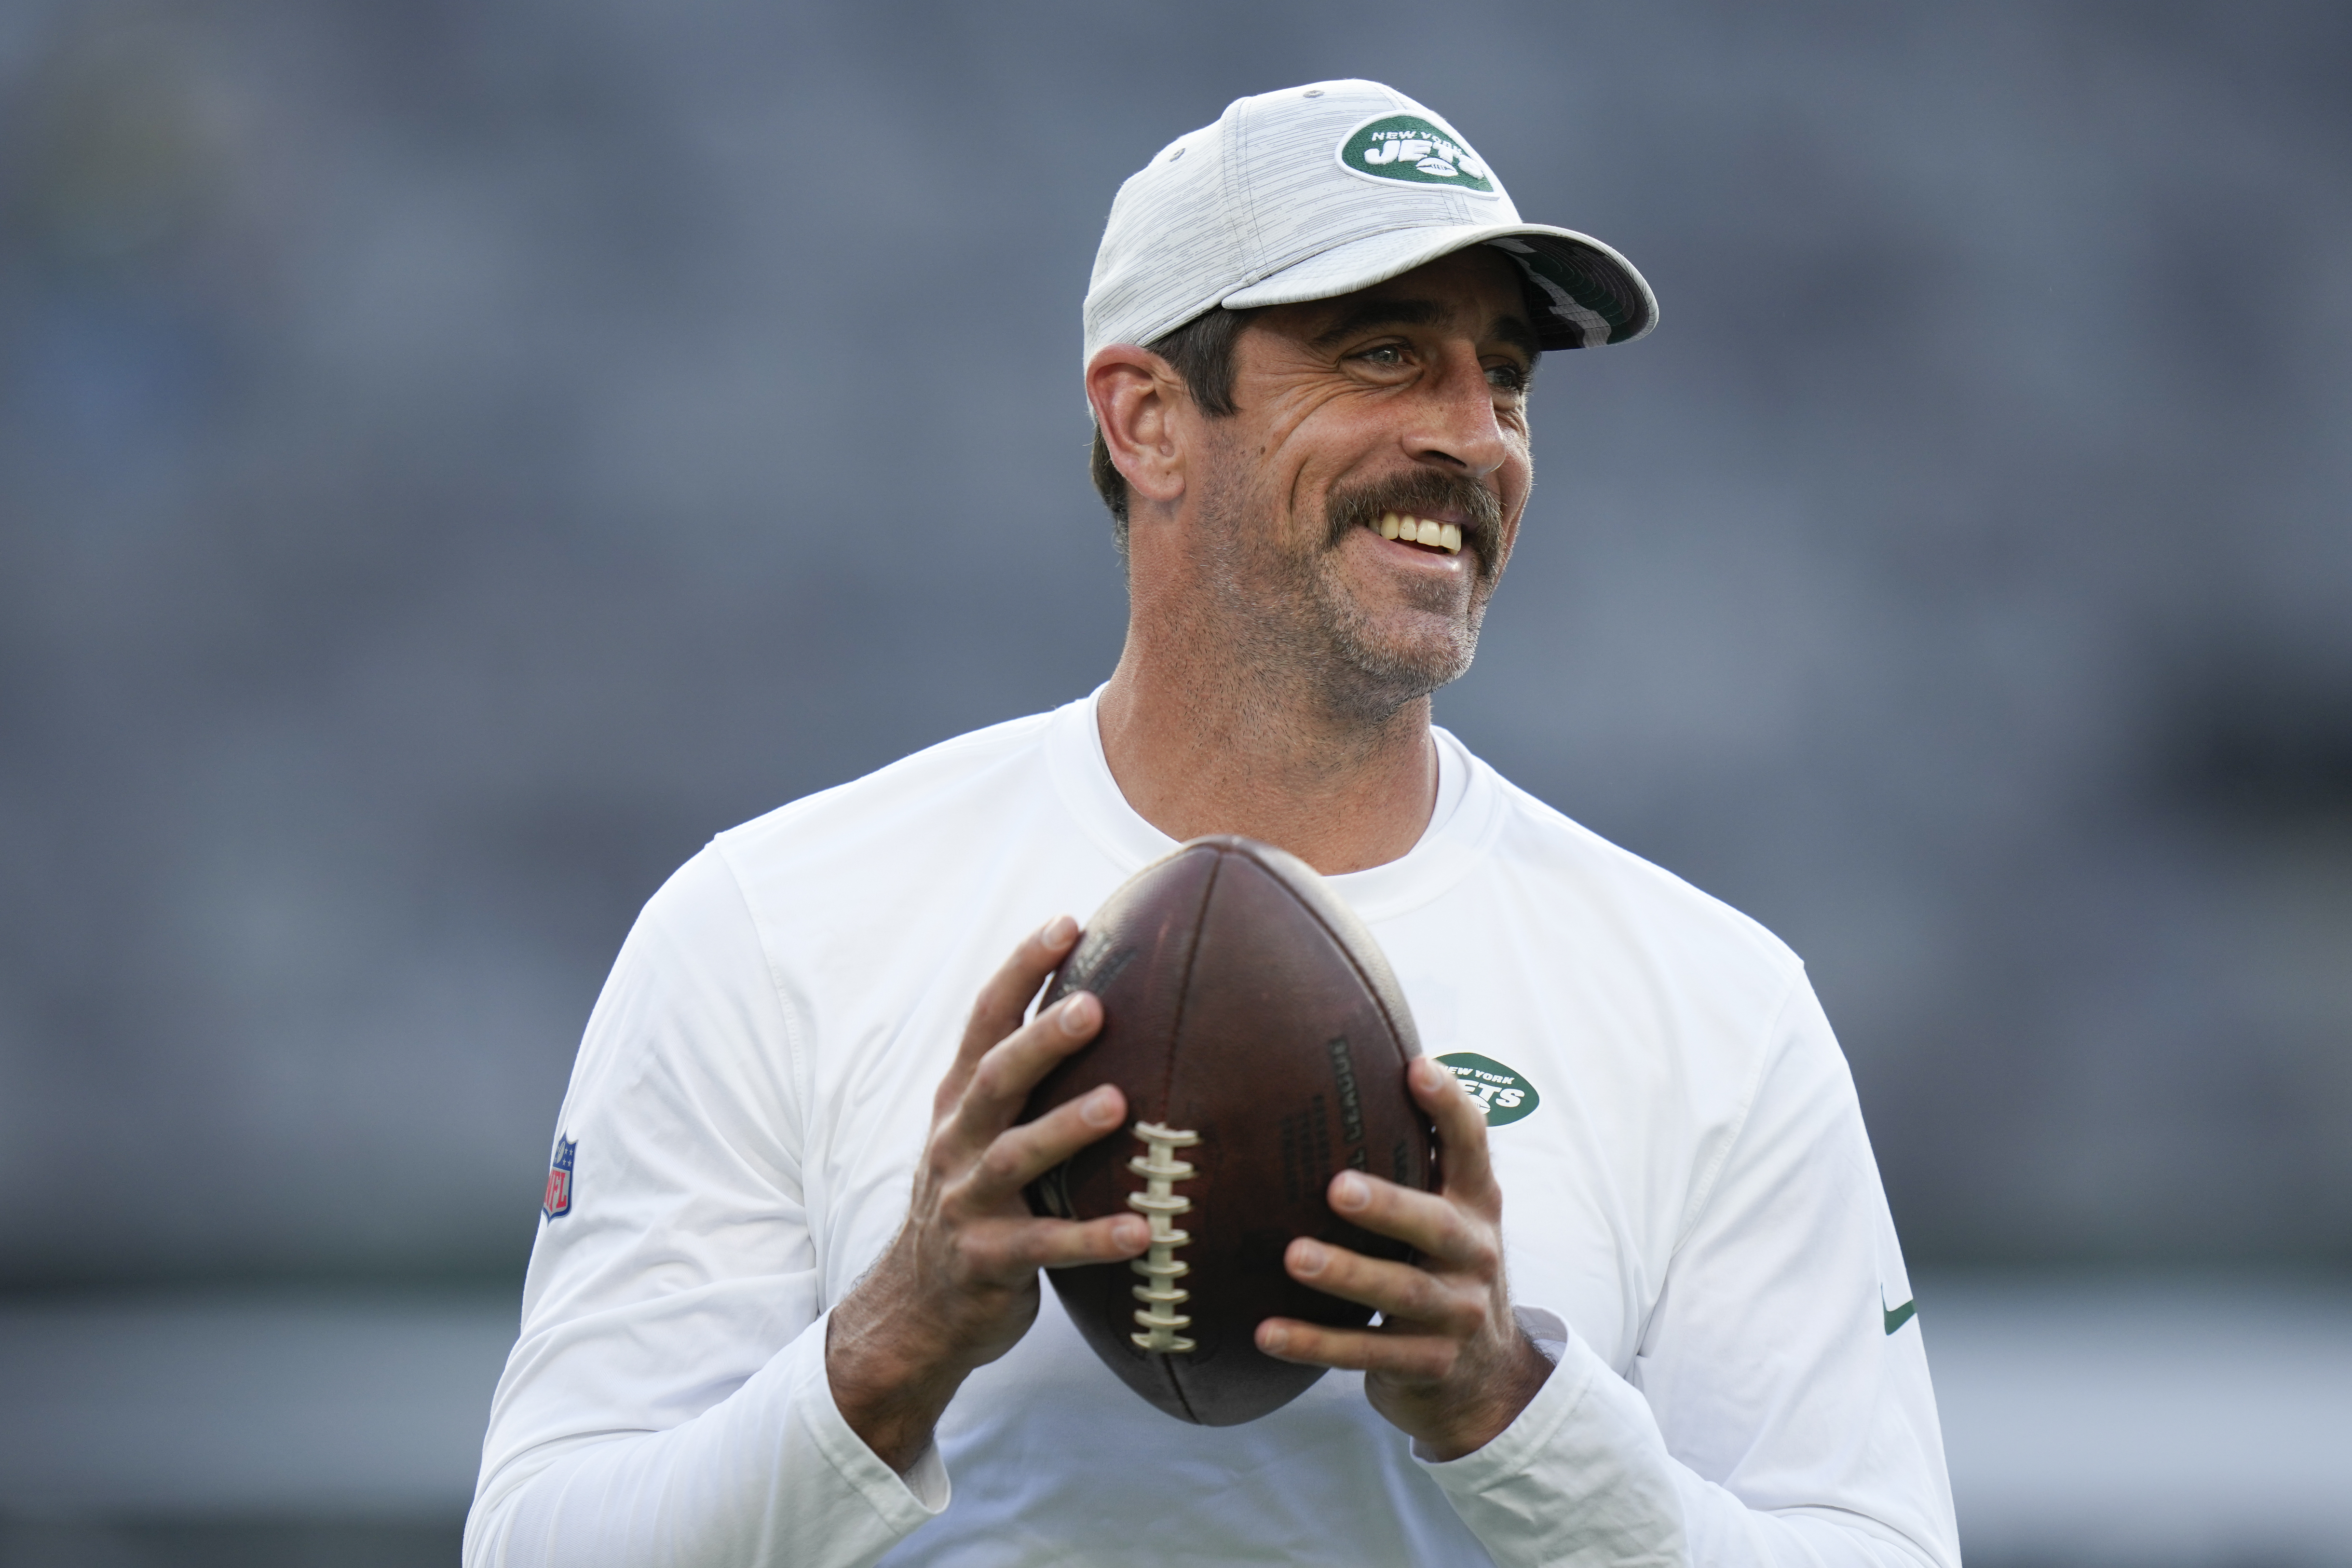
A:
[1348,1191]
[1078,1013]
[1272,1341]
[1100,1107]
[1130,1233]
[1308,1258]
[1058,931]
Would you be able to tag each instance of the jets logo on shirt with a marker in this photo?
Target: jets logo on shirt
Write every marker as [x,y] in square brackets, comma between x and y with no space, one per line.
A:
[1410,150]
[1504,1093]
[558,1202]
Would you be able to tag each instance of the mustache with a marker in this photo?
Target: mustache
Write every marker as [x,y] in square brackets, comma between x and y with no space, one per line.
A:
[1422,492]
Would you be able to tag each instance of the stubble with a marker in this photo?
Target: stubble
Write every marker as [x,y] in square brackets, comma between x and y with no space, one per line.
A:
[1293,614]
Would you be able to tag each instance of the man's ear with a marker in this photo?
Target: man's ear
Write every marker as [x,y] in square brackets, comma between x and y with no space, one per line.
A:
[1139,404]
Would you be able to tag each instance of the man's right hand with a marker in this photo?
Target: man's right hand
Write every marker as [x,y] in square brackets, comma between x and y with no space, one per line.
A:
[959,1285]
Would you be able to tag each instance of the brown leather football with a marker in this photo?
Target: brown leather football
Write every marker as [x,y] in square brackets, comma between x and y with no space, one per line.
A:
[1261,1041]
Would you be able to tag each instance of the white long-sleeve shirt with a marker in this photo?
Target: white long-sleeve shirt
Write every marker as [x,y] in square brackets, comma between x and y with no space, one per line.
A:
[1693,1221]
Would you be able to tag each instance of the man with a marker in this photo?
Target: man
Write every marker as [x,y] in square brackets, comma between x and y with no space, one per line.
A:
[787,1286]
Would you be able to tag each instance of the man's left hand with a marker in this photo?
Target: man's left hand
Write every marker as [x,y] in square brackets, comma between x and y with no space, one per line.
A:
[1448,1364]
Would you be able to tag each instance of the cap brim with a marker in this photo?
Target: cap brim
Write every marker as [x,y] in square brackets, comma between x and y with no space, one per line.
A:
[1584,293]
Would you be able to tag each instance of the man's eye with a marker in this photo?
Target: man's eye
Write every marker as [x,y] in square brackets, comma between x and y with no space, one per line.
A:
[1506,377]
[1386,354]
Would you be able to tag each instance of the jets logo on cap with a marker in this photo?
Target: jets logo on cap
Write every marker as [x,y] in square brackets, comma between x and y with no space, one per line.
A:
[1412,151]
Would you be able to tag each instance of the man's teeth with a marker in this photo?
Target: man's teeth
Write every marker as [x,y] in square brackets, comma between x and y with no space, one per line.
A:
[1443,536]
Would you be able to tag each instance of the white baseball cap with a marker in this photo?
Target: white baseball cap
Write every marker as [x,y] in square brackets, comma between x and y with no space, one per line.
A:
[1318,191]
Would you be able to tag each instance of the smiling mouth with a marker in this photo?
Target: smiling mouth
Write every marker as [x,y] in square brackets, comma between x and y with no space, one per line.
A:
[1406,528]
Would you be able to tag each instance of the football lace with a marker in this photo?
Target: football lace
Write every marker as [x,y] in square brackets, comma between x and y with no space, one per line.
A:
[1160,1171]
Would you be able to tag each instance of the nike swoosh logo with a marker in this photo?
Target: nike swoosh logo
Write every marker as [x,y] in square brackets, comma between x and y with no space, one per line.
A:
[1898,1316]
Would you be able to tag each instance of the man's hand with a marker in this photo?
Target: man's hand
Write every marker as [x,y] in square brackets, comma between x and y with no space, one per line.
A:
[959,1285]
[1448,1364]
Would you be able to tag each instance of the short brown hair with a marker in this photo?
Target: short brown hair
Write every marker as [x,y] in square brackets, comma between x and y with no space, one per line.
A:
[1201,352]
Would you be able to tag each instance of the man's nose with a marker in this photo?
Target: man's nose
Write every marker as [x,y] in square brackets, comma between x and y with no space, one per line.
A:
[1457,427]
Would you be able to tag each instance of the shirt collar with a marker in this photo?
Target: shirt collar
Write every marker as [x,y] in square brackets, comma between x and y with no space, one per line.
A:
[1459,832]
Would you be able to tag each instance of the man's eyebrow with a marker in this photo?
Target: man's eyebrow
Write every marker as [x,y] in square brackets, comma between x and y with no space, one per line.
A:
[1515,330]
[1365,314]
[1369,315]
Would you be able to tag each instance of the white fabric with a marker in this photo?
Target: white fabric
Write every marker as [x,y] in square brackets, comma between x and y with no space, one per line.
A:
[1257,209]
[1693,1221]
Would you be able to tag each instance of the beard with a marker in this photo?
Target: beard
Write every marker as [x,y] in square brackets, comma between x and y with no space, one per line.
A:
[1297,611]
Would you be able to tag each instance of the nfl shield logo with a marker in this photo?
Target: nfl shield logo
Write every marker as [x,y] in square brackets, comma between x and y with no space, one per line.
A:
[558,1180]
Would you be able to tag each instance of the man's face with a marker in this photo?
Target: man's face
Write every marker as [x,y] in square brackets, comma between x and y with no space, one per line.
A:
[1401,406]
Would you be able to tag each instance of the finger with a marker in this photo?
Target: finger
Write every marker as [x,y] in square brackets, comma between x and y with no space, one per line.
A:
[1019,1155]
[1398,1291]
[1004,1250]
[1005,998]
[1461,1131]
[1425,1358]
[1440,1228]
[1000,1085]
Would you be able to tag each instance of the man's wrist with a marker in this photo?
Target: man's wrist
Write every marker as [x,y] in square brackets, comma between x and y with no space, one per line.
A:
[886,1376]
[1502,1398]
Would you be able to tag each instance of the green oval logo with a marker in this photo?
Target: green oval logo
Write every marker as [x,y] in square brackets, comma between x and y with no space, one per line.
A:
[1506,1094]
[1408,149]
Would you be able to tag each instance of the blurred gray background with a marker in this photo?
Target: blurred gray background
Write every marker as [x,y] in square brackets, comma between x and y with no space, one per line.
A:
[458,454]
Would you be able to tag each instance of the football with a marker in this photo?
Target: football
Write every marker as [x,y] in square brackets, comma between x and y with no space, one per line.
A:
[1261,1041]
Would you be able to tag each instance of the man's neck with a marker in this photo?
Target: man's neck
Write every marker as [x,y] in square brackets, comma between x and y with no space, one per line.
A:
[1201,747]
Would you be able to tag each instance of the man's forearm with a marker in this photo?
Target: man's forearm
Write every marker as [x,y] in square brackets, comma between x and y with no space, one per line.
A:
[1580,1477]
[771,1476]
[1583,1477]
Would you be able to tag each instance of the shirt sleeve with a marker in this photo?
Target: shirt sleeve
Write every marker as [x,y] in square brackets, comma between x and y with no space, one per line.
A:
[667,1399]
[1778,1414]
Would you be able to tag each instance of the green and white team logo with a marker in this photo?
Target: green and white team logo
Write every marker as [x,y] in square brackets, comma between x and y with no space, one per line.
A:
[1504,1093]
[1410,150]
